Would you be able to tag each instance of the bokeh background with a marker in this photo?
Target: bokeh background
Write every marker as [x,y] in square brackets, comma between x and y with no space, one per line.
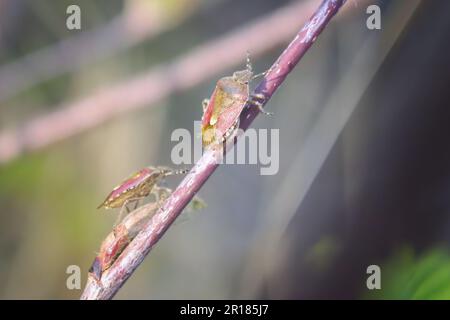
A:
[364,147]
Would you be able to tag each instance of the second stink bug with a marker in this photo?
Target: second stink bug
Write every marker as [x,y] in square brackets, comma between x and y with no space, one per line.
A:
[221,112]
[140,185]
[125,231]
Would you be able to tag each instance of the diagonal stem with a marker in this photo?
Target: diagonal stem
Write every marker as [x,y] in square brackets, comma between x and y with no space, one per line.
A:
[113,278]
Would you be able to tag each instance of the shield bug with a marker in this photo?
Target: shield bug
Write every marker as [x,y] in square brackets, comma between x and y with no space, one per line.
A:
[124,232]
[138,186]
[221,112]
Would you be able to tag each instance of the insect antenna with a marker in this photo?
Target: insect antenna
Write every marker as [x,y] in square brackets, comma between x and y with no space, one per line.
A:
[248,64]
[172,172]
[181,171]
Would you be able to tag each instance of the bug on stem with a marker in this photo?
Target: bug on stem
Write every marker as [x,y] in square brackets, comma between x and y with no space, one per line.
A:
[140,185]
[127,230]
[221,112]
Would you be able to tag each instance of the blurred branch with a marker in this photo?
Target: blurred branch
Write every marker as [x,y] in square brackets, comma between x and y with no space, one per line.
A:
[137,23]
[113,278]
[185,72]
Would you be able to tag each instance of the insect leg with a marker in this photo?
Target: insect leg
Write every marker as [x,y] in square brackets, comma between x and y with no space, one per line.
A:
[161,194]
[121,215]
[262,74]
[136,203]
[259,75]
[254,100]
[125,207]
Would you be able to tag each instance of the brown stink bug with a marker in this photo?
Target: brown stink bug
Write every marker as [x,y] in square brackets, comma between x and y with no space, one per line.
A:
[221,112]
[138,186]
[125,231]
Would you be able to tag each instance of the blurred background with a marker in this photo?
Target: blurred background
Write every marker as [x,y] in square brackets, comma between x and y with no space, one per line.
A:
[364,172]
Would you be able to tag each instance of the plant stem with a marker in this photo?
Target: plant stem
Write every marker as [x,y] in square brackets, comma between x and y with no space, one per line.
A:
[113,278]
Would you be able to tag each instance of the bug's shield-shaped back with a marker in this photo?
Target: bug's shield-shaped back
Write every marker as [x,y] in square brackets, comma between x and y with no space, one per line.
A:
[221,115]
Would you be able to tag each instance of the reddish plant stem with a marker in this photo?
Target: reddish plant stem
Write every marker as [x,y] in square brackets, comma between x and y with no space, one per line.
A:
[113,279]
